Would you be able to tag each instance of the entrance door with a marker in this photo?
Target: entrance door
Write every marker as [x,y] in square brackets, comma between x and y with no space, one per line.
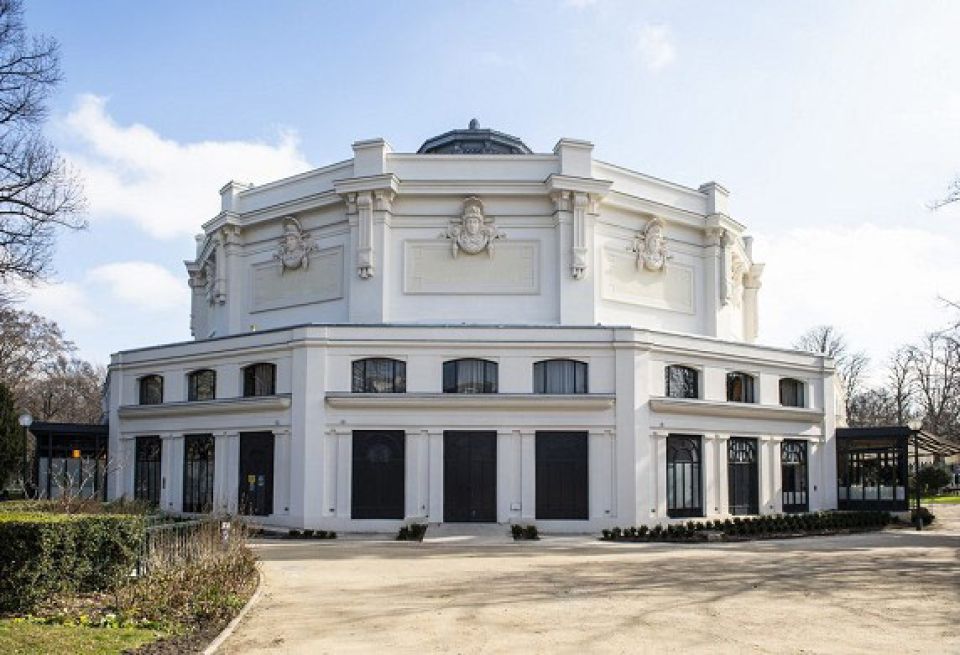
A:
[378,474]
[256,474]
[562,475]
[470,477]
[742,476]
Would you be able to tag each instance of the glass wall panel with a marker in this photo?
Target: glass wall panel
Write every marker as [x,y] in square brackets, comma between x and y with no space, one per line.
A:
[684,497]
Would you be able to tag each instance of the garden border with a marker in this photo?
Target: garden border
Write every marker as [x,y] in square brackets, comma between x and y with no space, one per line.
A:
[235,623]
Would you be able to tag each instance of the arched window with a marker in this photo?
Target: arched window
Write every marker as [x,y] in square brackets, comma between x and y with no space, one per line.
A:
[259,380]
[682,382]
[791,393]
[740,388]
[379,375]
[202,385]
[151,390]
[560,376]
[469,376]
[684,495]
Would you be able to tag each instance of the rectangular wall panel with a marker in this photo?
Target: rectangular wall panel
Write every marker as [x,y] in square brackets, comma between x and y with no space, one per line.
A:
[429,267]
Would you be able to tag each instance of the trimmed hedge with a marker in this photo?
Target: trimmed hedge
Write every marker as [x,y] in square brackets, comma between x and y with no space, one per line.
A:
[43,554]
[771,525]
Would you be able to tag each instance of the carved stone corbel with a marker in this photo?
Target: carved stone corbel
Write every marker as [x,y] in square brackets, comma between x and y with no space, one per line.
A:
[578,253]
[365,266]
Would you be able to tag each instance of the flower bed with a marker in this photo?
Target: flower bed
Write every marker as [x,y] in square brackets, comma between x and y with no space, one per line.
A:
[757,527]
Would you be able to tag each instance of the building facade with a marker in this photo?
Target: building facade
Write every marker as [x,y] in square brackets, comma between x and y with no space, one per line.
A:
[473,332]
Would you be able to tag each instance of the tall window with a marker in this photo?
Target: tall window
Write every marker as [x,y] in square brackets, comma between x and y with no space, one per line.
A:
[146,474]
[682,382]
[560,376]
[740,388]
[469,376]
[684,495]
[198,472]
[379,375]
[151,390]
[791,393]
[259,380]
[793,473]
[202,385]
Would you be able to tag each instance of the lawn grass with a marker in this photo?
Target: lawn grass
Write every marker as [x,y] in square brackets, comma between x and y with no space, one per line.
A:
[934,500]
[25,638]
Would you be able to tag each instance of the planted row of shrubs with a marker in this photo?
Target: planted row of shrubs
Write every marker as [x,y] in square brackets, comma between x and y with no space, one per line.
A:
[42,554]
[524,532]
[412,532]
[757,526]
[311,534]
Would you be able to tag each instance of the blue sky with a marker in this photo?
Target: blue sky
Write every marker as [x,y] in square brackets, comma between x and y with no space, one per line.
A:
[832,123]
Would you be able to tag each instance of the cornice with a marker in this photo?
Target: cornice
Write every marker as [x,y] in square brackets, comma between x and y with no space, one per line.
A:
[734,410]
[206,407]
[556,182]
[516,401]
[386,181]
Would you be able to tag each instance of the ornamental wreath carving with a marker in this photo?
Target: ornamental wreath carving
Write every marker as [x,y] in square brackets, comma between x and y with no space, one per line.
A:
[650,247]
[295,246]
[471,233]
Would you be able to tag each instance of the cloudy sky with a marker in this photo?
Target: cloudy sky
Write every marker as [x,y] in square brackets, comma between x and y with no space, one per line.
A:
[834,124]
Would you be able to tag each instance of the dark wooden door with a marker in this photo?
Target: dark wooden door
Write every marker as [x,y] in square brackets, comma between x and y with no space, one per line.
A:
[744,492]
[378,474]
[470,477]
[255,496]
[562,476]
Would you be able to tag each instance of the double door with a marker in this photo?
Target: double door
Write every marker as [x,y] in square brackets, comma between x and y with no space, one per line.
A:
[469,477]
[743,476]
[255,497]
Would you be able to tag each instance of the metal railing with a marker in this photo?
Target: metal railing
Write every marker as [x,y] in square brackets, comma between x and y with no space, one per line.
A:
[168,543]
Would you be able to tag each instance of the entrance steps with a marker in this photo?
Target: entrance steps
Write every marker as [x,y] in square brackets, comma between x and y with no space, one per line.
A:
[468,534]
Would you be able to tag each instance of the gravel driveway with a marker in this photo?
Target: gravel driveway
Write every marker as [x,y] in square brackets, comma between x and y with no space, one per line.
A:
[895,591]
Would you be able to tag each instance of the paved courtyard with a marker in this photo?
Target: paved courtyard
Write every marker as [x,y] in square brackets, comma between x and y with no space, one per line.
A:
[896,591]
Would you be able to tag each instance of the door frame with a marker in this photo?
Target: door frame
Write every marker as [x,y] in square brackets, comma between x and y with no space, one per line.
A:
[270,474]
[490,438]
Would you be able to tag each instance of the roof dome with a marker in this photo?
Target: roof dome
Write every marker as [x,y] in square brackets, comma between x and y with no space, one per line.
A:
[474,141]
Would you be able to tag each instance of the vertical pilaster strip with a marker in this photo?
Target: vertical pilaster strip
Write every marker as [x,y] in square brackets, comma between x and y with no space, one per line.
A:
[344,472]
[578,254]
[435,500]
[776,474]
[282,461]
[528,475]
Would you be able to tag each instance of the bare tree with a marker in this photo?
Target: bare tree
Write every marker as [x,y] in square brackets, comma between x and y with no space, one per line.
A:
[29,346]
[872,408]
[851,366]
[69,391]
[936,374]
[952,195]
[38,194]
[901,384]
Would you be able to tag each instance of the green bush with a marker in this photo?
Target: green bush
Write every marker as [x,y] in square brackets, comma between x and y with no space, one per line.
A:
[925,514]
[44,553]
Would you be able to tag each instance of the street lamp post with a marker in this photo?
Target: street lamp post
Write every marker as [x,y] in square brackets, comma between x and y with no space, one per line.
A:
[25,422]
[915,425]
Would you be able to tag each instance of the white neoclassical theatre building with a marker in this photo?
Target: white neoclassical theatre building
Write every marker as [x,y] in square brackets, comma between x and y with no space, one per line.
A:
[473,333]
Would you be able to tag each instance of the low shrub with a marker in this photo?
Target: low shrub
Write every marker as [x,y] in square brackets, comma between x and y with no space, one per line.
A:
[530,532]
[44,554]
[925,515]
[412,532]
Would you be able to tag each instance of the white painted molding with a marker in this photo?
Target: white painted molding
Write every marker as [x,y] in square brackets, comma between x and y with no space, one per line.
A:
[580,402]
[206,407]
[734,410]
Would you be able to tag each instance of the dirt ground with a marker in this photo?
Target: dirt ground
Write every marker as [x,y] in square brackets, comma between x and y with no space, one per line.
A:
[892,592]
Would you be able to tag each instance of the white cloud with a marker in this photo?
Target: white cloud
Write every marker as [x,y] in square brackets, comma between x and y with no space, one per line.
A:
[655,46]
[167,188]
[65,302]
[881,286]
[142,284]
[580,4]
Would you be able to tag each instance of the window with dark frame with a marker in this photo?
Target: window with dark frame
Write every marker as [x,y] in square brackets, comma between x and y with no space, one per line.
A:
[198,465]
[740,388]
[684,492]
[791,393]
[151,390]
[202,385]
[379,375]
[560,376]
[146,475]
[469,376]
[259,380]
[682,382]
[793,475]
